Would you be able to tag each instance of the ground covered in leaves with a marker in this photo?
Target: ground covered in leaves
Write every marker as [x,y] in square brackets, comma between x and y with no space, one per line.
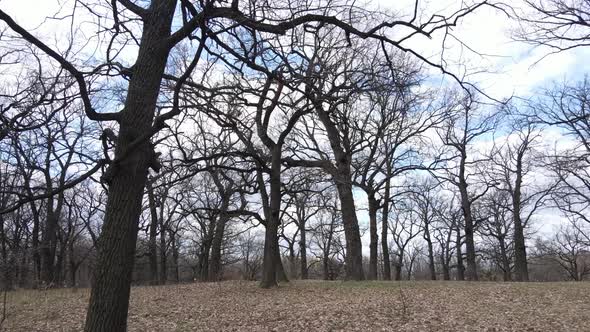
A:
[321,306]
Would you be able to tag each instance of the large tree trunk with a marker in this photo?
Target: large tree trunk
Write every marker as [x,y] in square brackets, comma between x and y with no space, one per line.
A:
[445,267]
[521,272]
[153,230]
[203,263]
[215,260]
[373,206]
[109,298]
[270,270]
[354,254]
[471,271]
[398,268]
[48,246]
[342,177]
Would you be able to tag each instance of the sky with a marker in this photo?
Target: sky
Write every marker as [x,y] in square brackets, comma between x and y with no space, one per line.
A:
[509,67]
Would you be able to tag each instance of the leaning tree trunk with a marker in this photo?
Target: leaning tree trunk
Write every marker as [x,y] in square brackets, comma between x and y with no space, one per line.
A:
[373,206]
[109,297]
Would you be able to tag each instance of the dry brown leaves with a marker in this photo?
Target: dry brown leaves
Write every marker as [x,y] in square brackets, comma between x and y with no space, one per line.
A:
[322,306]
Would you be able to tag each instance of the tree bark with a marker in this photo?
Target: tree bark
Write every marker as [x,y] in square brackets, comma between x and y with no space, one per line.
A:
[109,297]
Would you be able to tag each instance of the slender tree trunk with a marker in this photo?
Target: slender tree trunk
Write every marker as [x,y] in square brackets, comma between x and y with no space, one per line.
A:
[163,255]
[459,252]
[109,298]
[327,248]
[73,265]
[217,243]
[373,206]
[303,249]
[431,264]
[384,228]
[59,269]
[153,230]
[35,245]
[521,272]
[175,255]
[326,267]
[292,262]
[505,261]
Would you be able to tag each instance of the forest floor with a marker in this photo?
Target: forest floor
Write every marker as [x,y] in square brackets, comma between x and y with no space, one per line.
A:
[321,306]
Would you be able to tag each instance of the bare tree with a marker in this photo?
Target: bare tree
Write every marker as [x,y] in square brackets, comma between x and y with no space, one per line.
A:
[464,126]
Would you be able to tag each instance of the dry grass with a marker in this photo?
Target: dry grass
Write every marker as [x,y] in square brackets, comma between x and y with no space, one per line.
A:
[322,306]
